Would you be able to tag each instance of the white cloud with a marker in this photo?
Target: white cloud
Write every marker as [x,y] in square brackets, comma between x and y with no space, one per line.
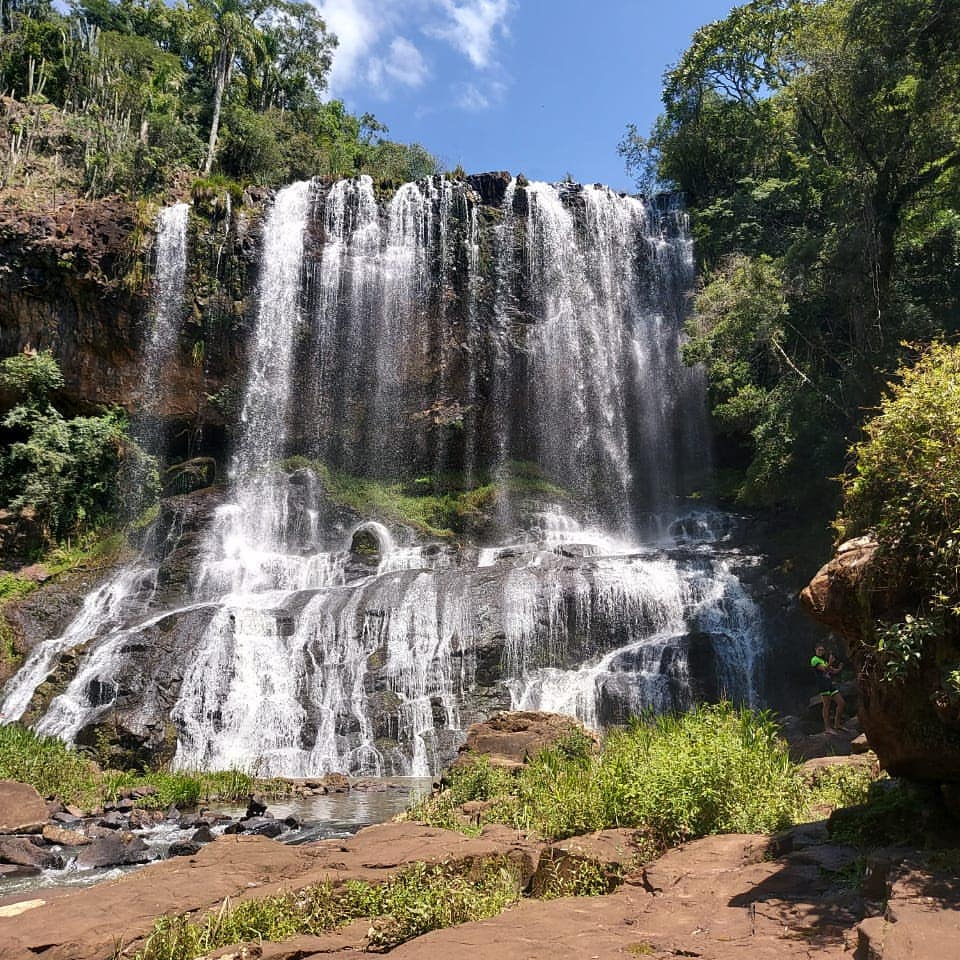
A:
[473,26]
[358,25]
[471,96]
[403,64]
[373,53]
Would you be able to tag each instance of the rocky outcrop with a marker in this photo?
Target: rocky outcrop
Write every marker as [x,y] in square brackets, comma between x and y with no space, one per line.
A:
[22,809]
[512,737]
[912,723]
[721,897]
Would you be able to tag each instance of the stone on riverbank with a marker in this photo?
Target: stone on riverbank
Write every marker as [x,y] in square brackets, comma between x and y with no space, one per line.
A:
[22,809]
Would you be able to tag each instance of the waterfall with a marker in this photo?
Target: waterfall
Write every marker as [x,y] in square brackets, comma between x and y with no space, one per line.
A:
[104,608]
[529,349]
[166,310]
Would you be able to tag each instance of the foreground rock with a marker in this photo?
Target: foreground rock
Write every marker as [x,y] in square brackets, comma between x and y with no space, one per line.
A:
[512,737]
[913,726]
[796,895]
[22,809]
[86,924]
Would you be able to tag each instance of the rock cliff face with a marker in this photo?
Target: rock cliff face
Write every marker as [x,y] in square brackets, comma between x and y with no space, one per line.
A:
[912,724]
[509,349]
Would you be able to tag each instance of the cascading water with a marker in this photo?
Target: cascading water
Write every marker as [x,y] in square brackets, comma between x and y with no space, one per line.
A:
[531,349]
[107,607]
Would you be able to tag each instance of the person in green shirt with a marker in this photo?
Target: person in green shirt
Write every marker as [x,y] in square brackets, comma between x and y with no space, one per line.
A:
[826,670]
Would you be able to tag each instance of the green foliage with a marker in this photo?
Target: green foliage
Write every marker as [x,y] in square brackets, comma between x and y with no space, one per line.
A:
[817,147]
[905,488]
[891,813]
[127,96]
[415,901]
[837,787]
[54,769]
[32,377]
[48,765]
[569,877]
[444,514]
[64,471]
[716,769]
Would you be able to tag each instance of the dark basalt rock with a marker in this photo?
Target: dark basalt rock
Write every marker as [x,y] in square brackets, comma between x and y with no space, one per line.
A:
[264,827]
[20,851]
[119,849]
[914,725]
[492,187]
[184,848]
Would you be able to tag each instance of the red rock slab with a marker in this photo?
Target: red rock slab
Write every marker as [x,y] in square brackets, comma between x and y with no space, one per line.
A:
[347,942]
[921,920]
[380,851]
[512,737]
[708,899]
[87,924]
[22,809]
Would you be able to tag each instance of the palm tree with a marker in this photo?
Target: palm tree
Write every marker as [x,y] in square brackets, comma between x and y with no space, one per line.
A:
[222,31]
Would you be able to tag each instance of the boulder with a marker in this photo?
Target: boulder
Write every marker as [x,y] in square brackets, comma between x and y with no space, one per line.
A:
[183,848]
[264,826]
[117,850]
[22,809]
[512,737]
[64,836]
[17,871]
[910,723]
[21,851]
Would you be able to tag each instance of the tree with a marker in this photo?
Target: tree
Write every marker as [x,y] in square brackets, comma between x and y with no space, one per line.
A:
[221,31]
[817,144]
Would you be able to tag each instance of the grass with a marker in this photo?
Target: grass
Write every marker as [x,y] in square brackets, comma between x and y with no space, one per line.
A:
[54,769]
[415,901]
[48,765]
[716,769]
[92,551]
[417,503]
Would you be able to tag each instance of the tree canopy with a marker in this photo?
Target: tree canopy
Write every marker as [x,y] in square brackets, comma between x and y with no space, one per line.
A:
[143,89]
[818,147]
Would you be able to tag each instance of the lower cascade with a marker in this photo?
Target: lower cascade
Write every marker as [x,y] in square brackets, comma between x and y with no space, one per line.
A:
[507,354]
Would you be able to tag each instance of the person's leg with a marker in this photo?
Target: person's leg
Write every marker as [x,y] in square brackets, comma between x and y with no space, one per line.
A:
[825,699]
[838,716]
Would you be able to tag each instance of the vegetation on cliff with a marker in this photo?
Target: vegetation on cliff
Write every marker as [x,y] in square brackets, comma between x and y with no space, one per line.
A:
[437,506]
[817,146]
[715,769]
[905,491]
[124,96]
[60,470]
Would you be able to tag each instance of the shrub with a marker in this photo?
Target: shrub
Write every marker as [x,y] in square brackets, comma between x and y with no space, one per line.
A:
[716,769]
[905,489]
[65,470]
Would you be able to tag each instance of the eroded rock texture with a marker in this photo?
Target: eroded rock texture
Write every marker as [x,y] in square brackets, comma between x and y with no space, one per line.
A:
[913,724]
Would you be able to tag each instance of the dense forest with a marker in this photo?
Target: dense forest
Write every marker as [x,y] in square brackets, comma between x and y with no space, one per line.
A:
[124,97]
[817,145]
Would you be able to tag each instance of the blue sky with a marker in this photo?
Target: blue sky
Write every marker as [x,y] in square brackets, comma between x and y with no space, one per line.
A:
[542,87]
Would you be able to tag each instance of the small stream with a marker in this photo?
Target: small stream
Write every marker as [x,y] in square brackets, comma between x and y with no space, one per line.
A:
[320,818]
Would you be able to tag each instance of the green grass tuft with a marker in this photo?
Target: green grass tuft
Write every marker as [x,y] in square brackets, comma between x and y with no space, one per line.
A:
[417,900]
[440,506]
[716,769]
